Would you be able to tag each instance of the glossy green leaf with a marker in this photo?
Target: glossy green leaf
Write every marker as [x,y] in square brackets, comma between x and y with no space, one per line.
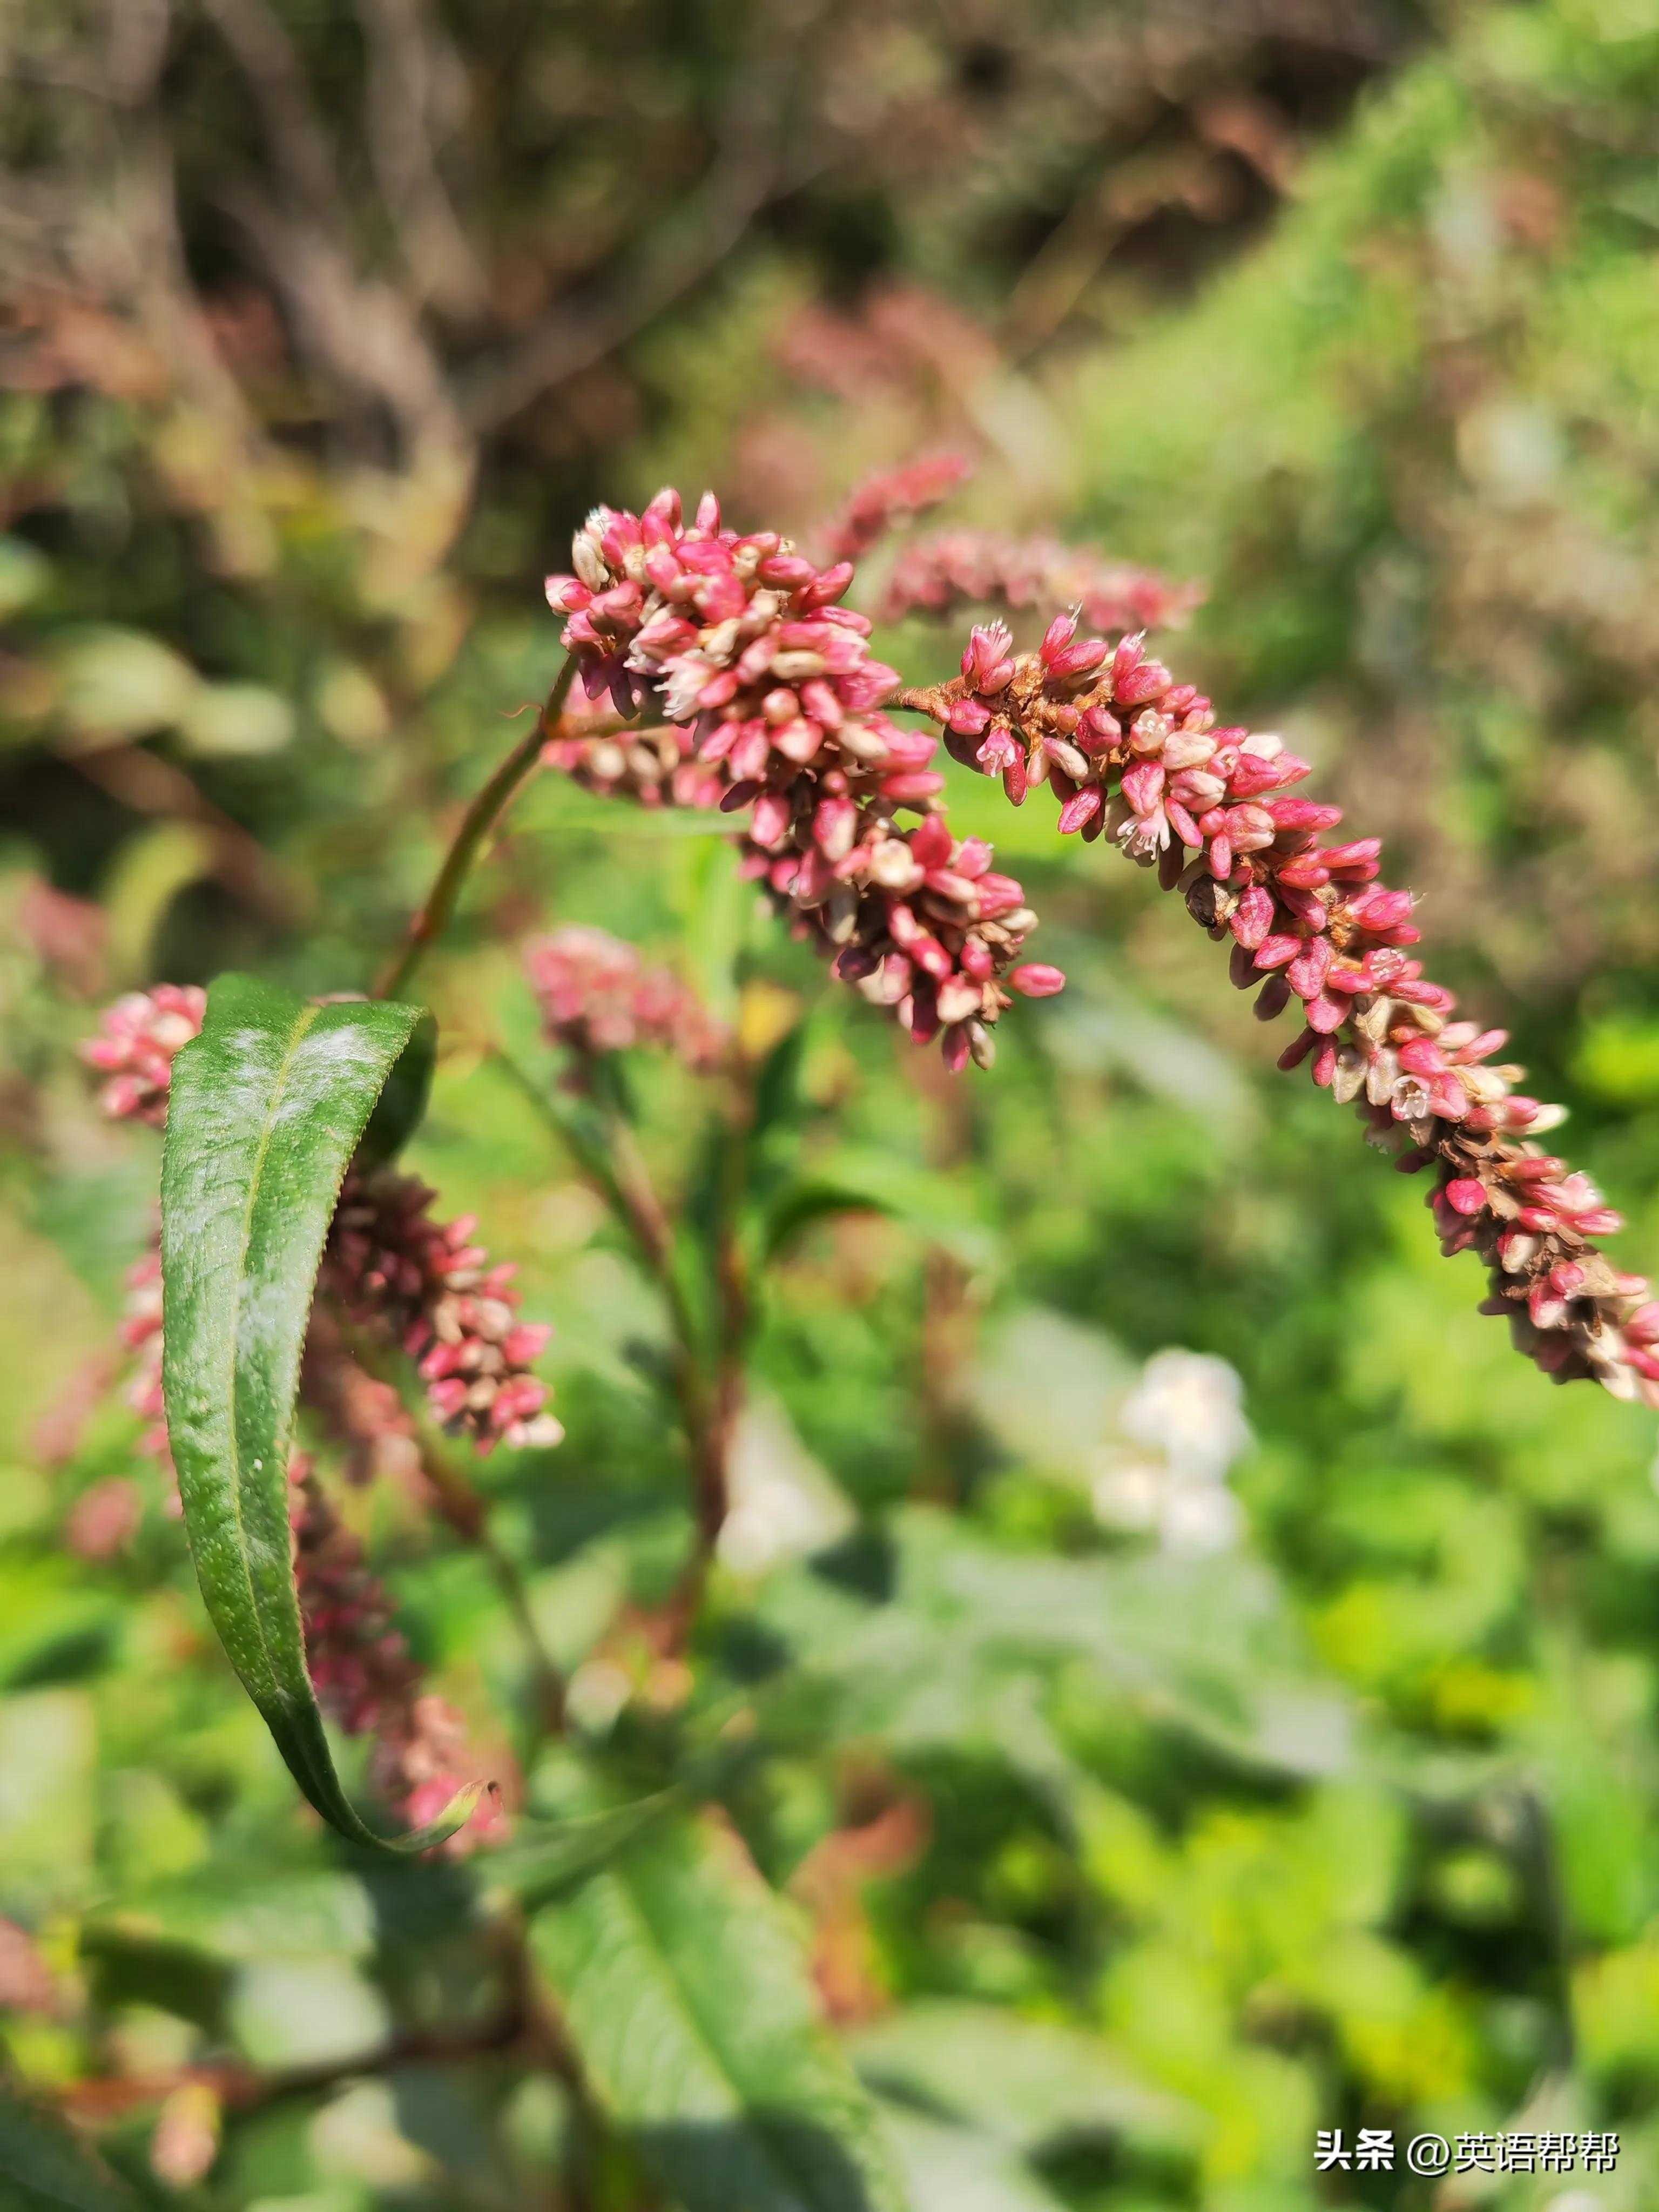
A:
[267,1106]
[44,2168]
[682,1985]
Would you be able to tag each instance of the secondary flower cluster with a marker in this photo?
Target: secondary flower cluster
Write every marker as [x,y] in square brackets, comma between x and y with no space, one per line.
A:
[597,995]
[956,568]
[741,640]
[365,1676]
[1129,753]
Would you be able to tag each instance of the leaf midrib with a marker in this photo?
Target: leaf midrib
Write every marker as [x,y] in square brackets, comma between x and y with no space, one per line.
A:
[301,1030]
[701,2034]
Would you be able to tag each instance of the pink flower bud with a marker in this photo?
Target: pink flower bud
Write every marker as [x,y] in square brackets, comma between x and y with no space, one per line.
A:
[1035,980]
[1079,809]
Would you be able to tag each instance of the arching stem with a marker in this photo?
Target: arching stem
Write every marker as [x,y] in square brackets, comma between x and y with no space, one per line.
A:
[480,818]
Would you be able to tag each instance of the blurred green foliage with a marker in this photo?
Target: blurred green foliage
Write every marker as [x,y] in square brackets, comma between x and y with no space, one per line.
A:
[1123,1867]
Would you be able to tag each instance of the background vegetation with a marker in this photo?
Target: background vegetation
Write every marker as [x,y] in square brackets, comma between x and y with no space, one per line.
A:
[1132,1843]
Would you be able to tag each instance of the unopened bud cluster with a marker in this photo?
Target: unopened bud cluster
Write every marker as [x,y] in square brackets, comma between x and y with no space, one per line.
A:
[742,641]
[1130,754]
[597,996]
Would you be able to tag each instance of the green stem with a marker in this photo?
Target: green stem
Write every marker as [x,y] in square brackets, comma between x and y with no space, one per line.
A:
[611,1161]
[480,818]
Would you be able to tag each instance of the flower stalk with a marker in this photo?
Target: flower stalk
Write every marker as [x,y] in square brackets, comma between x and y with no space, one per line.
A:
[480,818]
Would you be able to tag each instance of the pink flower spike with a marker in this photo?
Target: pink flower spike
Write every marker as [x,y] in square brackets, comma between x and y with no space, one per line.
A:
[751,657]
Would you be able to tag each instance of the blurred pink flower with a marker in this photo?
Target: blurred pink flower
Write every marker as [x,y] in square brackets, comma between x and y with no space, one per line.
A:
[597,996]
[103,1519]
[891,497]
[27,1983]
[134,1048]
[184,2141]
[69,934]
[957,568]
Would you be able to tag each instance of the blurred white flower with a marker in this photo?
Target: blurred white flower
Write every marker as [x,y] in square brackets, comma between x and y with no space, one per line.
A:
[1188,1406]
[596,1694]
[783,1504]
[1185,1416]
[1198,1518]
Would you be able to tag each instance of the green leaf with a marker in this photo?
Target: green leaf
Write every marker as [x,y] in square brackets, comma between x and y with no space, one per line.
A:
[266,1110]
[538,1868]
[856,1181]
[25,575]
[179,1943]
[948,2168]
[1033,2084]
[778,1098]
[49,1627]
[236,720]
[122,683]
[401,1107]
[147,875]
[800,1205]
[44,2169]
[971,1639]
[682,1985]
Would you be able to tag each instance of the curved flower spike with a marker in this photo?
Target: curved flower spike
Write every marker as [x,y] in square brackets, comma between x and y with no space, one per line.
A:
[1132,754]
